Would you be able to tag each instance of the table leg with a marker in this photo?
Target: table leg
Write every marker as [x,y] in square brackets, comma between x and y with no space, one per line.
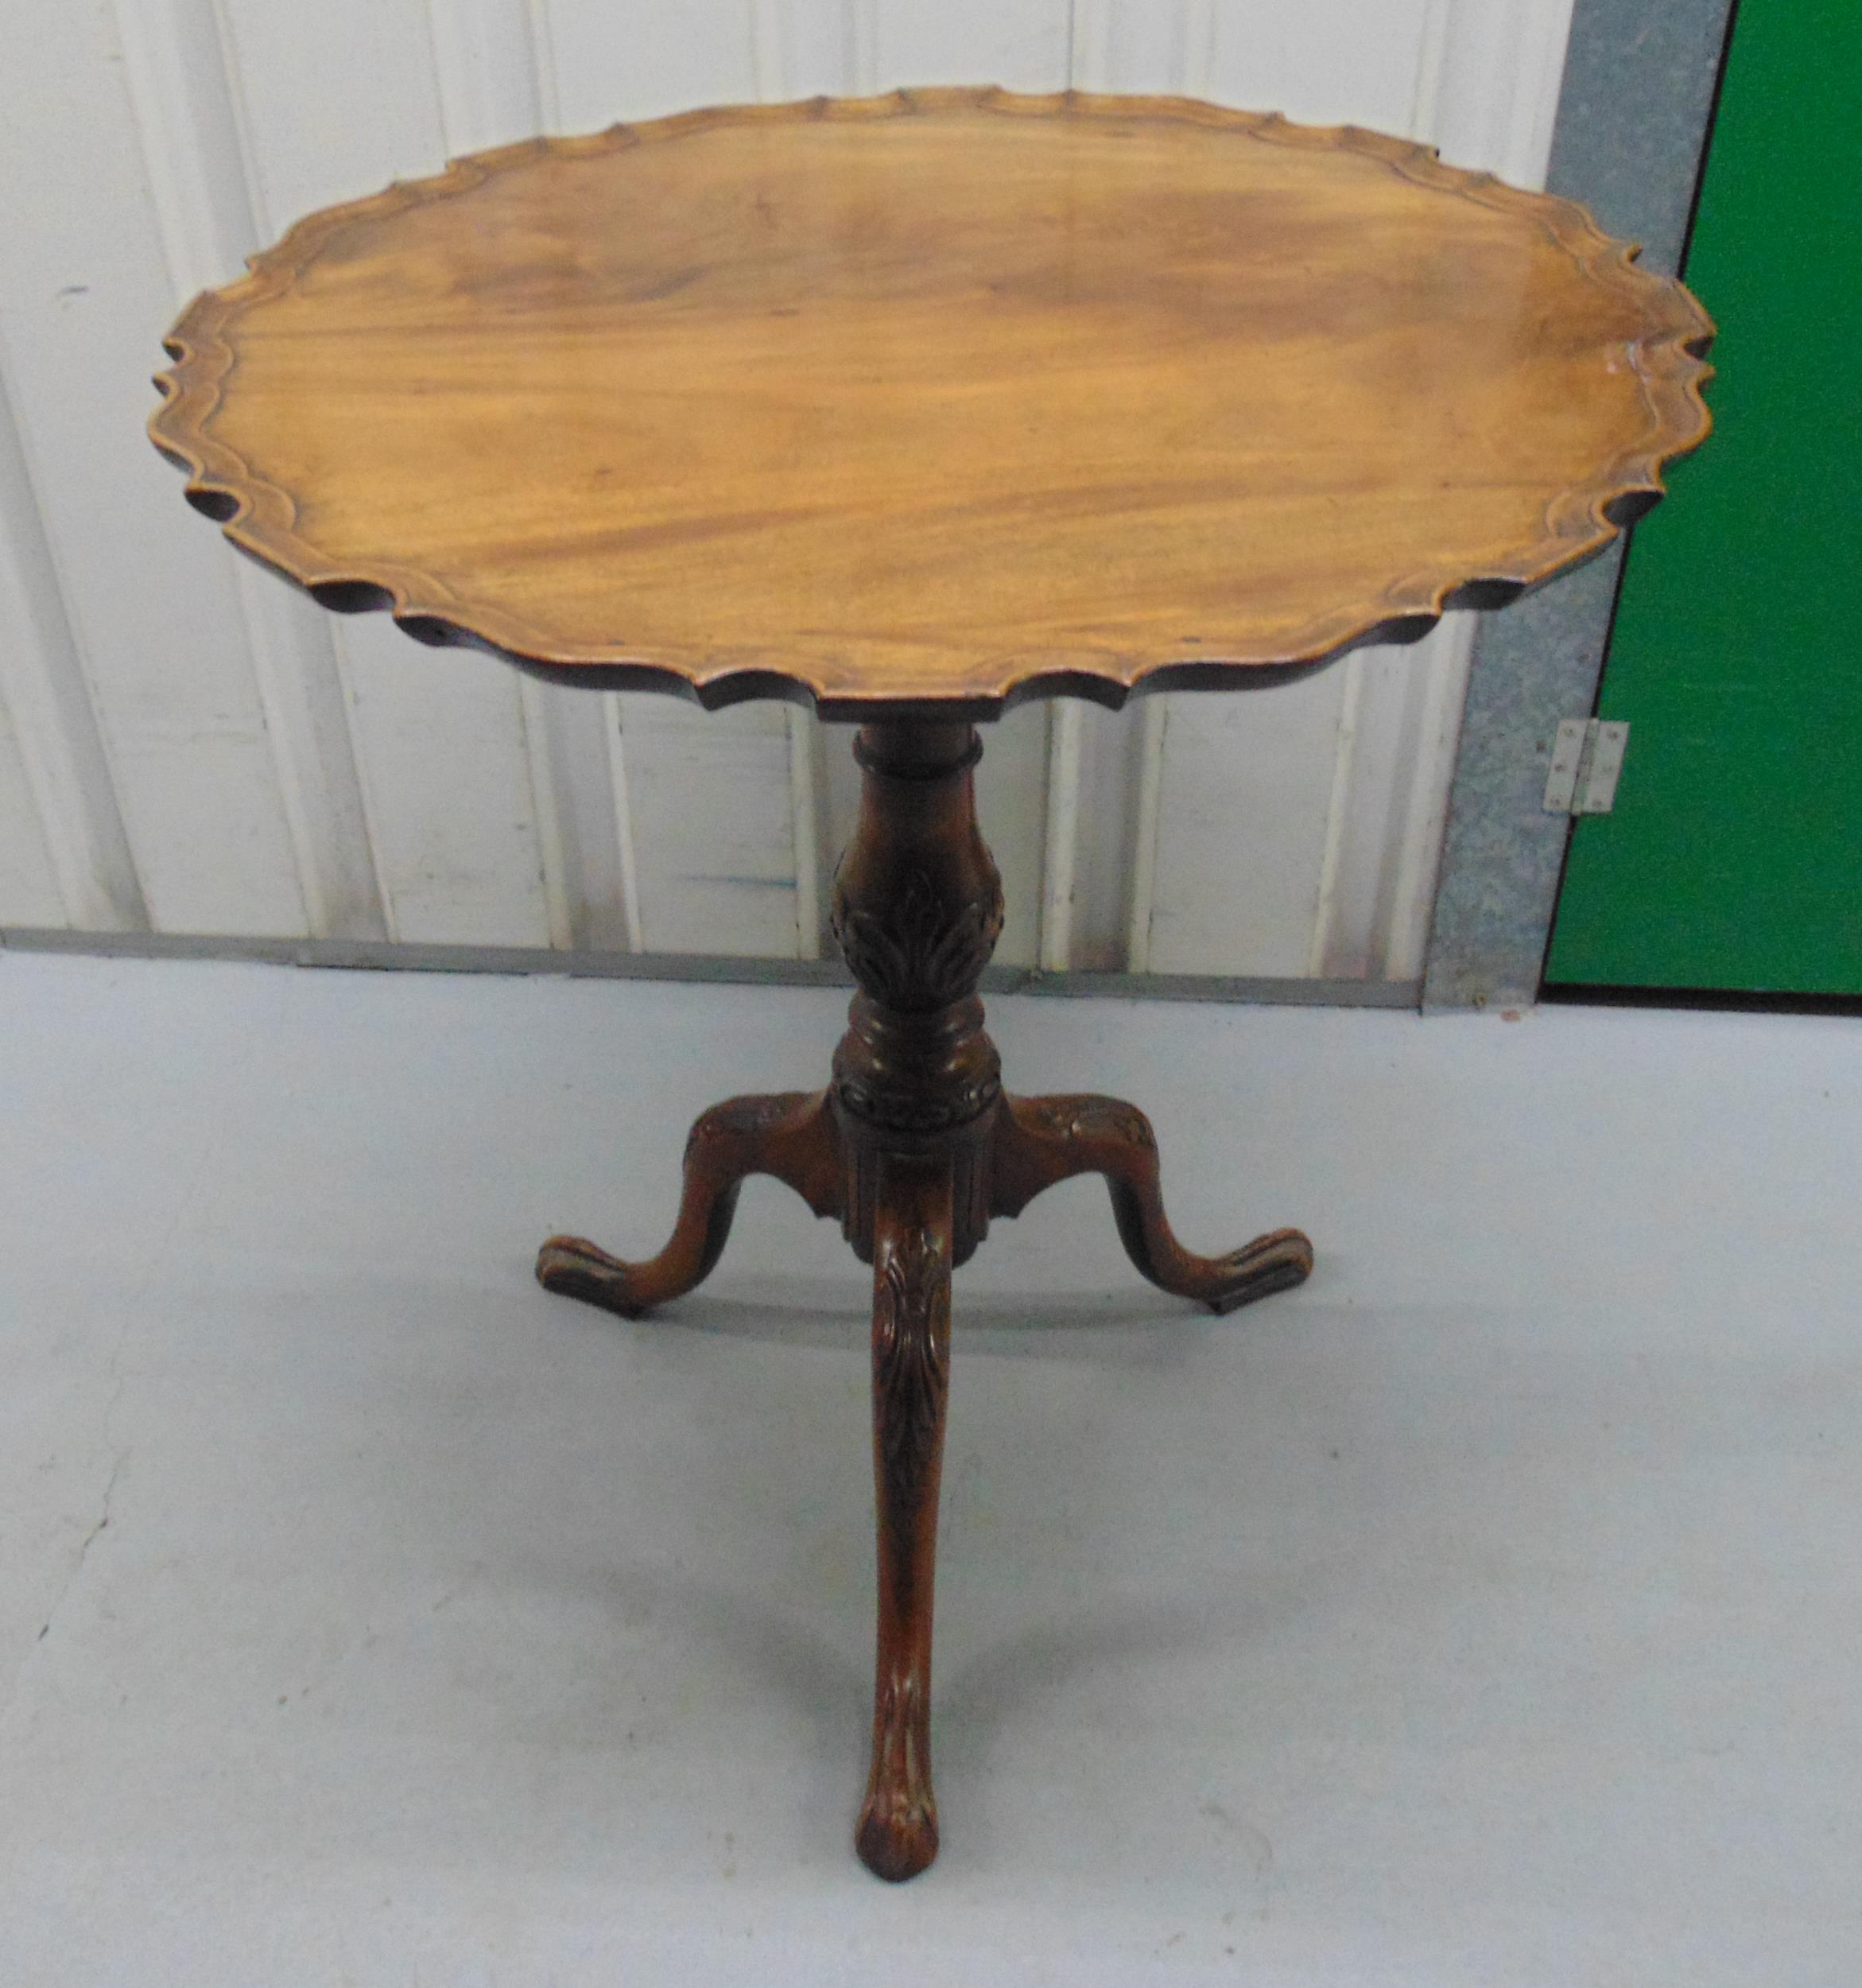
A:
[791,1134]
[896,1835]
[1041,1140]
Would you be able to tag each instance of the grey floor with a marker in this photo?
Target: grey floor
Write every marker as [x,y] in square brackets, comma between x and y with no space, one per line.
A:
[1488,1612]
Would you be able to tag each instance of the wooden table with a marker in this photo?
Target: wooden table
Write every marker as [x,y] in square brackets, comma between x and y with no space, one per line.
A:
[912,408]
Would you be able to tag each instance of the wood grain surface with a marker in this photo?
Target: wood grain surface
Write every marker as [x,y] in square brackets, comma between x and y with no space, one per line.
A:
[935,401]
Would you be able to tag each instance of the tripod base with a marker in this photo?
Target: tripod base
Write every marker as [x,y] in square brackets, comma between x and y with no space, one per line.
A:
[914,1147]
[1032,1143]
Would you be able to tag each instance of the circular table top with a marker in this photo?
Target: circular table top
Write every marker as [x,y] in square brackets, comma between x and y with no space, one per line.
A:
[930,403]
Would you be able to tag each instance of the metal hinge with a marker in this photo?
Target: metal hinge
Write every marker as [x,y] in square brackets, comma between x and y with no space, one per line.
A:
[1587,761]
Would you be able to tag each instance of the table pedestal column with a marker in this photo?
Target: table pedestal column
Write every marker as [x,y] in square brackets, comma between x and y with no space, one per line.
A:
[914,1146]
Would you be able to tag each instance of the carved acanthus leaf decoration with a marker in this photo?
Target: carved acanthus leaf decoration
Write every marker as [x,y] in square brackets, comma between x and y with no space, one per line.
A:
[911,1365]
[919,951]
[1090,1117]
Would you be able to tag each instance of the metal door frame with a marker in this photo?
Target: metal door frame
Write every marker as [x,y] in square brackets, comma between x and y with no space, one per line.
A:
[1633,116]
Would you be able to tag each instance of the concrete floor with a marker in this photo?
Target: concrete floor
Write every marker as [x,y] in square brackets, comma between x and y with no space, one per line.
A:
[1489,1611]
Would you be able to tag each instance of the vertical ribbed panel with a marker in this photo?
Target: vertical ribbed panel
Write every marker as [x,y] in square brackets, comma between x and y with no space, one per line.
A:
[183,741]
[149,601]
[193,151]
[1299,832]
[64,858]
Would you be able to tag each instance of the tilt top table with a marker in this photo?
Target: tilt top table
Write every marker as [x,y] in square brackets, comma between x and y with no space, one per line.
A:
[912,408]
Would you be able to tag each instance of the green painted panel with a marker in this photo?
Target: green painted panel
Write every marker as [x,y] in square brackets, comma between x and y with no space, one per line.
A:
[1734,857]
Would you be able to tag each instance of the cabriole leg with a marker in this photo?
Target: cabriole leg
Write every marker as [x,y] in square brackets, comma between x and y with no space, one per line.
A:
[1041,1140]
[791,1134]
[898,1832]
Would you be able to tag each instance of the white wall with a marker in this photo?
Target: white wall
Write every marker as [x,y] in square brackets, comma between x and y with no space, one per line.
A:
[186,746]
